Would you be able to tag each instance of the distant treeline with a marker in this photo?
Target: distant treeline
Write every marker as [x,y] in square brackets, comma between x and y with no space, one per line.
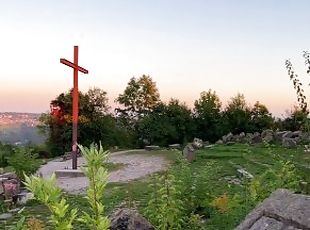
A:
[142,118]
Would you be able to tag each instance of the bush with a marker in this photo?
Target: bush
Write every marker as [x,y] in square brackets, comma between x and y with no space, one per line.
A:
[24,161]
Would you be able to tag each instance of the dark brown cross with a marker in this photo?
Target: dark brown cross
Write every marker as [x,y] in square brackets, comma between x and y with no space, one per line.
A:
[75,101]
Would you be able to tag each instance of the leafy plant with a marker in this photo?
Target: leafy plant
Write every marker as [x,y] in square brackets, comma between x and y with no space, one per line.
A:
[164,208]
[24,162]
[45,191]
[98,177]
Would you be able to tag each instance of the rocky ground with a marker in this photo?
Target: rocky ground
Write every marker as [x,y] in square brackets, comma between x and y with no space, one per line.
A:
[137,166]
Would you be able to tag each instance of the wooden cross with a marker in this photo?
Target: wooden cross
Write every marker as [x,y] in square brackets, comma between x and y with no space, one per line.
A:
[75,101]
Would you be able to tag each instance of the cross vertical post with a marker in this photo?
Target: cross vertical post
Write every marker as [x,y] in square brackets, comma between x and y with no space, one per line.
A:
[75,101]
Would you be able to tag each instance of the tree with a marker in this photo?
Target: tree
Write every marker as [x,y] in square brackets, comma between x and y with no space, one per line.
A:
[237,115]
[207,113]
[294,121]
[166,124]
[261,118]
[57,125]
[140,97]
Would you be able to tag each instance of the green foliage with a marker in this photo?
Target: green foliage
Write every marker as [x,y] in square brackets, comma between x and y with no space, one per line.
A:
[261,118]
[164,209]
[167,124]
[5,152]
[95,124]
[237,115]
[45,191]
[284,175]
[207,113]
[140,97]
[62,215]
[24,161]
[98,177]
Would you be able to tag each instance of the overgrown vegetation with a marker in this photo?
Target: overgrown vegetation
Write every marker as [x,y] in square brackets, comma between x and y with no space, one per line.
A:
[62,215]
[200,194]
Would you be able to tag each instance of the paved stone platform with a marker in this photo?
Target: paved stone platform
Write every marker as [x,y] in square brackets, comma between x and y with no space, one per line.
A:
[283,210]
[71,173]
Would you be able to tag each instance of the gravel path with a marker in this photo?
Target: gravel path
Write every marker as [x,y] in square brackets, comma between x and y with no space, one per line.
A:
[136,166]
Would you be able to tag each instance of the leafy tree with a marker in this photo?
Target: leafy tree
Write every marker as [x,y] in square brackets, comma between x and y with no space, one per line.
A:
[207,113]
[237,115]
[260,117]
[140,97]
[166,124]
[296,120]
[58,124]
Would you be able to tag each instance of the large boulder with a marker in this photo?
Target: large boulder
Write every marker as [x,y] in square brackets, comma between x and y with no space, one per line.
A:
[128,219]
[189,152]
[227,137]
[267,135]
[279,135]
[256,138]
[289,142]
[287,134]
[283,210]
[197,143]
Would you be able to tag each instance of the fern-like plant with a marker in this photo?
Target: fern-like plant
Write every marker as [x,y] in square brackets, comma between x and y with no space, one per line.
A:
[98,178]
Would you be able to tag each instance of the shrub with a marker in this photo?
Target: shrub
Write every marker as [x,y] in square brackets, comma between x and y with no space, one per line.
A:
[23,161]
[62,215]
[164,209]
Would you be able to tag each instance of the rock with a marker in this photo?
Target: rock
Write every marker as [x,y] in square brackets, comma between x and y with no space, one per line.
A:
[279,135]
[14,210]
[197,143]
[206,143]
[189,152]
[242,173]
[256,138]
[287,134]
[11,188]
[289,142]
[174,146]
[227,137]
[219,142]
[267,135]
[208,146]
[305,138]
[128,219]
[230,143]
[296,134]
[9,175]
[24,197]
[5,216]
[152,147]
[249,137]
[242,138]
[282,210]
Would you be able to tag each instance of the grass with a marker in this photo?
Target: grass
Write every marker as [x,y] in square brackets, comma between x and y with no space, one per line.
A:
[220,160]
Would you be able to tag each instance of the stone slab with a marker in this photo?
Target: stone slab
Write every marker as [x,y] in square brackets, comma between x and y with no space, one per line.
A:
[291,210]
[71,173]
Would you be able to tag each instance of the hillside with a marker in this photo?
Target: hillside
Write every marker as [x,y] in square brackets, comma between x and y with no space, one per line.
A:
[20,128]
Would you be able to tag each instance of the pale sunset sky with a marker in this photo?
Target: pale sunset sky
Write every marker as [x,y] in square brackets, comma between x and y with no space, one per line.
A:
[185,46]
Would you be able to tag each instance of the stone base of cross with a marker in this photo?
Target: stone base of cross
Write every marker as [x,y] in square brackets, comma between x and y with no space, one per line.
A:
[75,101]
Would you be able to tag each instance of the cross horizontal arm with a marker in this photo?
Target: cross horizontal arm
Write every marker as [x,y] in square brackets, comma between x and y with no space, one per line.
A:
[72,65]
